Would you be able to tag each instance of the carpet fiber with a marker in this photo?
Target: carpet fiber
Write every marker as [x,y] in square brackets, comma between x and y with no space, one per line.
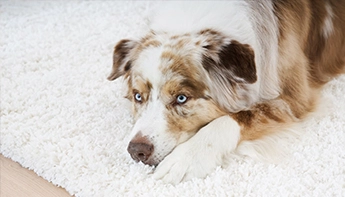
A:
[61,118]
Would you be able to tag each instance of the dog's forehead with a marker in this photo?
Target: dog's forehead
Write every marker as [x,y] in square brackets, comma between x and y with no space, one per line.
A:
[148,65]
[165,58]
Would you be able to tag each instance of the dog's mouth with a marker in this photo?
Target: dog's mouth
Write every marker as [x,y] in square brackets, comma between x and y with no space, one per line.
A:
[149,161]
[145,159]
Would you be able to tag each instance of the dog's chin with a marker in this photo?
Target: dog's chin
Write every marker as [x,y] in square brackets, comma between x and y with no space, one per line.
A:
[151,161]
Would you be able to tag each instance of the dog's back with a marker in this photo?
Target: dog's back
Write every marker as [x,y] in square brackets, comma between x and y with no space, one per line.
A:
[319,27]
[326,41]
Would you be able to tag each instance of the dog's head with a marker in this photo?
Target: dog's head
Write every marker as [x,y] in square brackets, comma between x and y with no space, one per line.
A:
[180,83]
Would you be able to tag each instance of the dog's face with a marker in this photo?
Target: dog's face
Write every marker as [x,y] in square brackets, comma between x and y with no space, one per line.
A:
[178,84]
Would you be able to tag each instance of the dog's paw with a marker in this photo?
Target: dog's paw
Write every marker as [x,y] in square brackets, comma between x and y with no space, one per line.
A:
[187,161]
[201,154]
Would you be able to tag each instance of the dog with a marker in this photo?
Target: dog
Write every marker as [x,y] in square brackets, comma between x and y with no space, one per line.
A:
[209,77]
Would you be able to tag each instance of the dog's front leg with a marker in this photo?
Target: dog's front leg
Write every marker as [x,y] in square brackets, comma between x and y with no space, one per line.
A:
[200,155]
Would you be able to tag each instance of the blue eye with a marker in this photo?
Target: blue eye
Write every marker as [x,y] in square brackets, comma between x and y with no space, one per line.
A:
[181,99]
[137,97]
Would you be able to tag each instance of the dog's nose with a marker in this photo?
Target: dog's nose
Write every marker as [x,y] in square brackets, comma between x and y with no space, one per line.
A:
[140,149]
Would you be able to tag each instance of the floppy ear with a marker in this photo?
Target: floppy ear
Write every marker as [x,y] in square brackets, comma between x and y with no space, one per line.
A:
[121,61]
[233,62]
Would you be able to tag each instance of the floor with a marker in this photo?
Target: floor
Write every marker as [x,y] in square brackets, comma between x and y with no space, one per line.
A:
[16,181]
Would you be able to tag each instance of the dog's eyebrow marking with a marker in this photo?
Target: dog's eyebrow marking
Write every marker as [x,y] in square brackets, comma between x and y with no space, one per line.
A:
[182,85]
[142,85]
[167,55]
[149,85]
[196,87]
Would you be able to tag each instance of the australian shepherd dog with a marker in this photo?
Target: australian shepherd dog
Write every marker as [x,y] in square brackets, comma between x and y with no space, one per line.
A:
[210,77]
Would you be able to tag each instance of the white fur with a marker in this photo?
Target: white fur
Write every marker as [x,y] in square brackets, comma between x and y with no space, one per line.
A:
[152,124]
[201,154]
[181,17]
[148,65]
[265,26]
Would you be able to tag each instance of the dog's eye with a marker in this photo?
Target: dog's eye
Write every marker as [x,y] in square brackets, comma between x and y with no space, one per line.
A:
[137,97]
[181,99]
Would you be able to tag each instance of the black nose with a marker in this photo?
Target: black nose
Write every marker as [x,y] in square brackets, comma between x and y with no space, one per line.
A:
[140,150]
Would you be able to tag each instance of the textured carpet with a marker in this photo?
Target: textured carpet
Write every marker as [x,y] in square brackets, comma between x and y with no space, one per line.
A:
[61,118]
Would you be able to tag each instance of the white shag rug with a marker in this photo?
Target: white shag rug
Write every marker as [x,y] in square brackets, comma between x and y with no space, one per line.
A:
[61,118]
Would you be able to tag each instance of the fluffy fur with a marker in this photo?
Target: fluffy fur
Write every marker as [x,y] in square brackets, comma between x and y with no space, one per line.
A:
[211,76]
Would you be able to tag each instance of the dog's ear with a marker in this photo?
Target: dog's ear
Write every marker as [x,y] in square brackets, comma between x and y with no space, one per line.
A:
[121,60]
[233,62]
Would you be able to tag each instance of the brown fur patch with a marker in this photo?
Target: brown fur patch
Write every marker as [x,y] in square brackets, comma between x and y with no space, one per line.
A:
[294,20]
[138,85]
[326,55]
[121,53]
[191,88]
[239,59]
[189,79]
[191,116]
[214,40]
[262,119]
[305,20]
[170,56]
[151,43]
[234,62]
[184,77]
[174,37]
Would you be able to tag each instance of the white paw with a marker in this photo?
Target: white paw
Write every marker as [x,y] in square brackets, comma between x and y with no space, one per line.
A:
[201,154]
[188,161]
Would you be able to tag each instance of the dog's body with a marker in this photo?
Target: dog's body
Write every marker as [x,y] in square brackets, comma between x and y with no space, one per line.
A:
[210,76]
